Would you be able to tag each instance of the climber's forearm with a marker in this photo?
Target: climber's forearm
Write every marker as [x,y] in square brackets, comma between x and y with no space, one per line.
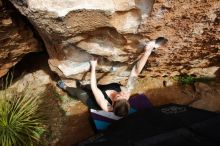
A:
[99,97]
[141,63]
[137,69]
[93,78]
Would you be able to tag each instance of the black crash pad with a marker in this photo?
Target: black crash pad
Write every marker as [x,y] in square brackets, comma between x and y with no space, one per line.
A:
[169,125]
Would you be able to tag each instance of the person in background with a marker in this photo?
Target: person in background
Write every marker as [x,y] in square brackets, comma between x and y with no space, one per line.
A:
[112,97]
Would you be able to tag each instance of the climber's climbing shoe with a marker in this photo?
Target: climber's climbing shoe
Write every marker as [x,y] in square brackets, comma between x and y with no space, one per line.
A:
[160,42]
[61,84]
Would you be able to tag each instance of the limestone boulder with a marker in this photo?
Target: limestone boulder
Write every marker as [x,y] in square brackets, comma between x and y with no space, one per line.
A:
[16,38]
[114,31]
[74,31]
[208,97]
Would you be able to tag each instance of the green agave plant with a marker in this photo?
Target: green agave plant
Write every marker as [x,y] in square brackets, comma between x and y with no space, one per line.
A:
[20,119]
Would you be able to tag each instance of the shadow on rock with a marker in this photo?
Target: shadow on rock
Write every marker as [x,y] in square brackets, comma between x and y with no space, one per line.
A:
[67,122]
[199,95]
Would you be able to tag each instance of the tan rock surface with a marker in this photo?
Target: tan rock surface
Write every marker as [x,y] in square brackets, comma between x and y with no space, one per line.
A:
[161,91]
[192,28]
[107,29]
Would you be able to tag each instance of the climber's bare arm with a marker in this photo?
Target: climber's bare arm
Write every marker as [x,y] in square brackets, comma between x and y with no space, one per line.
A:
[139,66]
[100,99]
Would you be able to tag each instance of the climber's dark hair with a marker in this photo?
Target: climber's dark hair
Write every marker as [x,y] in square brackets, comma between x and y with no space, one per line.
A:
[121,108]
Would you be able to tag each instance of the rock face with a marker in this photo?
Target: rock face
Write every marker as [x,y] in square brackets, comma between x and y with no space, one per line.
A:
[73,31]
[114,30]
[198,95]
[192,28]
[16,38]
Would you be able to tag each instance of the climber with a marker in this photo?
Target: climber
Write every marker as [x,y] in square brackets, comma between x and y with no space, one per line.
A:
[111,97]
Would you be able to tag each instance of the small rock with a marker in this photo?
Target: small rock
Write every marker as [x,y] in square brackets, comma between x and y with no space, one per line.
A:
[7,22]
[201,87]
[175,73]
[169,82]
[161,1]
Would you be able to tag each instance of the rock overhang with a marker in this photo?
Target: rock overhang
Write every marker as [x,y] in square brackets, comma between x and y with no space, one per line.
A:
[117,38]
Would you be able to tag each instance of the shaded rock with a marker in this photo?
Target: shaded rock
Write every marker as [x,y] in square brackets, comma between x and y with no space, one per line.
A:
[200,95]
[64,116]
[161,91]
[33,80]
[16,38]
[209,97]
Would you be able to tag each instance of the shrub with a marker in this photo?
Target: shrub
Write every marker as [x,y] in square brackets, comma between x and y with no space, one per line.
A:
[20,119]
[187,79]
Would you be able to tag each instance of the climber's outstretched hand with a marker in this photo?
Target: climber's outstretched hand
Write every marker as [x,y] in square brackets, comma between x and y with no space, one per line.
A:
[93,62]
[154,44]
[149,46]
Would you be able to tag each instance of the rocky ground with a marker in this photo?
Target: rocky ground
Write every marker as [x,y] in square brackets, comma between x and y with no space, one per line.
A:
[68,119]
